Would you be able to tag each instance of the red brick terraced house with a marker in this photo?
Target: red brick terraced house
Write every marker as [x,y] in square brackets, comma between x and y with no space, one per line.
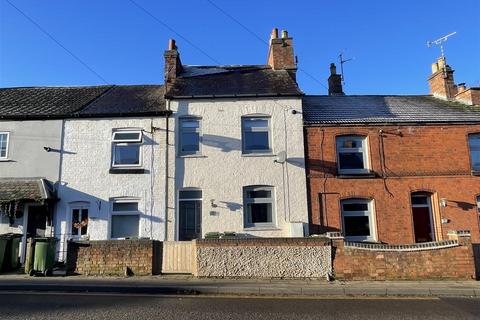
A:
[394,169]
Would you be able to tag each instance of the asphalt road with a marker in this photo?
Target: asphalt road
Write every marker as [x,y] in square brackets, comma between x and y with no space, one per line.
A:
[101,306]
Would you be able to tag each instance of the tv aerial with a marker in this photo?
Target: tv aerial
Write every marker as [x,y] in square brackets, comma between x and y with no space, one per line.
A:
[440,41]
[342,61]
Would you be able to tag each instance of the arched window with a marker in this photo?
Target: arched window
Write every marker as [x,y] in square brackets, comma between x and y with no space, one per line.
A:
[357,219]
[352,154]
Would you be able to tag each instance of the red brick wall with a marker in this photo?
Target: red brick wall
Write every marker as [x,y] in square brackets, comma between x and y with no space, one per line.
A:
[113,257]
[448,263]
[417,158]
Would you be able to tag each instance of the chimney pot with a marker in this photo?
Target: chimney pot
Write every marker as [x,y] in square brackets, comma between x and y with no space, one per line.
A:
[333,69]
[274,34]
[284,34]
[171,44]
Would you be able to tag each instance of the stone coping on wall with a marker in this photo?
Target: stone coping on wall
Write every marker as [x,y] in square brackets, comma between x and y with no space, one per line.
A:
[264,242]
[112,241]
[403,247]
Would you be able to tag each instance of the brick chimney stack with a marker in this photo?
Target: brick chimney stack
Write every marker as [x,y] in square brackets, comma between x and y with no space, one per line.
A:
[441,81]
[173,65]
[280,53]
[335,82]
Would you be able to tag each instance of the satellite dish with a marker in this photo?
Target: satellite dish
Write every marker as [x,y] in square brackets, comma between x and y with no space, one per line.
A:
[281,157]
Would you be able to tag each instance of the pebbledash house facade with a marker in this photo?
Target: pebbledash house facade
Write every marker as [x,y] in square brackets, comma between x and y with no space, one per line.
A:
[394,169]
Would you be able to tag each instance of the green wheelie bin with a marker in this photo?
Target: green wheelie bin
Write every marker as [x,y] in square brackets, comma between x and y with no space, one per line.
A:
[12,250]
[44,256]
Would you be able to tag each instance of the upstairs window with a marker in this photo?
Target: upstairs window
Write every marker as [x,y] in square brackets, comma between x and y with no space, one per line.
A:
[258,206]
[126,148]
[4,145]
[352,155]
[357,219]
[125,219]
[474,144]
[189,136]
[256,135]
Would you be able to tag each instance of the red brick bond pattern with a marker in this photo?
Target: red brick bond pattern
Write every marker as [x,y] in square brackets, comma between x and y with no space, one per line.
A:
[115,257]
[352,263]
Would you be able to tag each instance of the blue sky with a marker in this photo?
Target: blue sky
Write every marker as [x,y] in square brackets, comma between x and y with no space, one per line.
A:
[124,45]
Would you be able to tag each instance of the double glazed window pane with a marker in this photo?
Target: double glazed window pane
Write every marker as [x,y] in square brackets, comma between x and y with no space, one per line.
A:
[125,206]
[351,160]
[125,226]
[3,145]
[474,143]
[189,136]
[260,212]
[351,154]
[259,205]
[256,135]
[128,154]
[120,136]
[357,226]
[79,222]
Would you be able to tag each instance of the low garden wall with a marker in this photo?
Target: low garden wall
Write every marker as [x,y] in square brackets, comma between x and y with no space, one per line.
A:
[450,259]
[264,258]
[114,257]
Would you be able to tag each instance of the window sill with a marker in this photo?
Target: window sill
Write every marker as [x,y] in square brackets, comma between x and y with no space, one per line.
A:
[191,156]
[127,171]
[266,154]
[265,228]
[6,160]
[360,175]
[476,173]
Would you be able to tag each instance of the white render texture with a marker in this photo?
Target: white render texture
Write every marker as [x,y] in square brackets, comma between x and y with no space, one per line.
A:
[26,155]
[85,176]
[264,262]
[221,171]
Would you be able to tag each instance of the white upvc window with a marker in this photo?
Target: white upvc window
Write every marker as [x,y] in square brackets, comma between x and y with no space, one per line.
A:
[357,219]
[126,148]
[4,139]
[256,135]
[259,206]
[189,136]
[352,154]
[79,220]
[474,144]
[125,219]
[478,204]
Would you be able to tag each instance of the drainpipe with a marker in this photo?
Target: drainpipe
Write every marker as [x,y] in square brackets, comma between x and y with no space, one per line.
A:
[167,130]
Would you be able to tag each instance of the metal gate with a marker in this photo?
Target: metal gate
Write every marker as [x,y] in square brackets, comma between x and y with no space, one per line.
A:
[178,257]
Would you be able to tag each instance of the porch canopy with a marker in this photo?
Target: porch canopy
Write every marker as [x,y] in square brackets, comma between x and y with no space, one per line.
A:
[26,189]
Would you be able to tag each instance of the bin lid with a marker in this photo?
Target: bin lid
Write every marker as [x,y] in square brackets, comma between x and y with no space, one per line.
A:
[45,239]
[11,235]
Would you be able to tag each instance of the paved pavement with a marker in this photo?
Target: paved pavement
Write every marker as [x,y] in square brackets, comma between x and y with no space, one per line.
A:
[38,306]
[190,285]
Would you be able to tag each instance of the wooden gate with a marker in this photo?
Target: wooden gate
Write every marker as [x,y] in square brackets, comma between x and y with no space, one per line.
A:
[178,257]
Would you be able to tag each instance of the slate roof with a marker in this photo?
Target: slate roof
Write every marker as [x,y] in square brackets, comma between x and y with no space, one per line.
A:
[36,189]
[65,102]
[232,81]
[45,102]
[128,100]
[385,109]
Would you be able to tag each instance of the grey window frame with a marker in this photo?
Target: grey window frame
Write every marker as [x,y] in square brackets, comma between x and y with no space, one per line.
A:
[7,145]
[127,142]
[124,213]
[369,213]
[182,130]
[247,216]
[364,150]
[475,149]
[267,129]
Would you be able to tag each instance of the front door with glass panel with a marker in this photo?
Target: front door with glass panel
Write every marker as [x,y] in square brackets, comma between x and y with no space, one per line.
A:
[190,214]
[422,217]
[79,222]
